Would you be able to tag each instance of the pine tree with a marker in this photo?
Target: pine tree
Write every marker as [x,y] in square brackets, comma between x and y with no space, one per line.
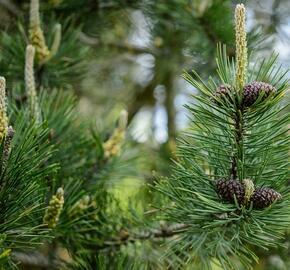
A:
[230,183]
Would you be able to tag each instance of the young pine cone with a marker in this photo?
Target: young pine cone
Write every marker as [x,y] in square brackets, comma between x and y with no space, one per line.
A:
[264,197]
[229,189]
[222,94]
[253,90]
[261,197]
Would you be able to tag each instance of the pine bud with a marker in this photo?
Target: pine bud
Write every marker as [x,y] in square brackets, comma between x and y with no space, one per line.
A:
[264,197]
[30,84]
[112,147]
[241,46]
[36,35]
[3,113]
[7,146]
[249,190]
[253,90]
[54,209]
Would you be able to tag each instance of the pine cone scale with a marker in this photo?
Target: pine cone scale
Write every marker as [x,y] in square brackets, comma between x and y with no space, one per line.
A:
[264,197]
[253,90]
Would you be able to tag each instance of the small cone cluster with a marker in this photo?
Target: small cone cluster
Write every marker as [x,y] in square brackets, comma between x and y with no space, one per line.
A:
[112,147]
[54,209]
[36,35]
[251,92]
[3,113]
[245,192]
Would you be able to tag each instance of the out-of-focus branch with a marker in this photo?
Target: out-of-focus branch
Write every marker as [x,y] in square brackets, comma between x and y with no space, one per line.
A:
[153,234]
[36,259]
[142,98]
[10,6]
[169,105]
[92,41]
[211,35]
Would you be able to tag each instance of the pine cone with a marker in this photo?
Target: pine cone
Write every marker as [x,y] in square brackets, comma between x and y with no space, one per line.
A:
[229,189]
[222,93]
[253,90]
[264,197]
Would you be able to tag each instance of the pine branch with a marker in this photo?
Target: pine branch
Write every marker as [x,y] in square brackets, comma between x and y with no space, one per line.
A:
[36,259]
[115,45]
[11,7]
[239,130]
[163,232]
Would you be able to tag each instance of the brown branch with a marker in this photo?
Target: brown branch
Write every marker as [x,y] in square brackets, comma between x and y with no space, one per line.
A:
[169,105]
[141,98]
[36,259]
[211,35]
[164,231]
[125,46]
[239,132]
[125,237]
[11,7]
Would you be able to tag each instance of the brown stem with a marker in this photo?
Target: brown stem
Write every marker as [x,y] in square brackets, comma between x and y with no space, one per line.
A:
[92,41]
[239,129]
[162,232]
[11,7]
[35,259]
[169,105]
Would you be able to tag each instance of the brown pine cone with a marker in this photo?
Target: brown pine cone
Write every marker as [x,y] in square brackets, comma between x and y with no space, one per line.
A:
[264,197]
[253,90]
[229,189]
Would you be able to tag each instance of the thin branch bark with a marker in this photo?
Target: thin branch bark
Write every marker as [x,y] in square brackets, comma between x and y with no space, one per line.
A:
[11,7]
[92,41]
[126,237]
[239,131]
[36,259]
[169,105]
